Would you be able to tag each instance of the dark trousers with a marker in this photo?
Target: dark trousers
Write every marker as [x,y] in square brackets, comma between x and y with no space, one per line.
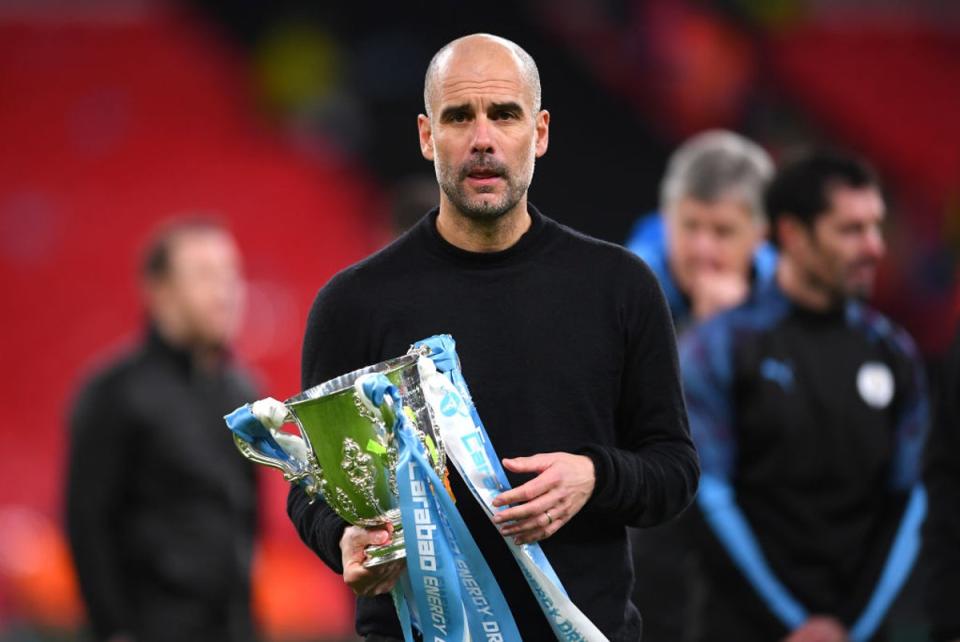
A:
[169,616]
[668,586]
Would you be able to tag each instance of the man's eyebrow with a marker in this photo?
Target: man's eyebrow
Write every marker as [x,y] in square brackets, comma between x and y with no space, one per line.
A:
[455,109]
[507,106]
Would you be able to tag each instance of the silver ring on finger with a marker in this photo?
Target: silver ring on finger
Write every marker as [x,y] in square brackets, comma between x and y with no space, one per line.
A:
[549,517]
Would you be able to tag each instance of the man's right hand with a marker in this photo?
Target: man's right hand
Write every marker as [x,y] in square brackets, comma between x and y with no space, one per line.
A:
[715,291]
[368,582]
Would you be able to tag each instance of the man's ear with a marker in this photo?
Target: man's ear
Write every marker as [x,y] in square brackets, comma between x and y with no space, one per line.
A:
[426,136]
[155,295]
[543,132]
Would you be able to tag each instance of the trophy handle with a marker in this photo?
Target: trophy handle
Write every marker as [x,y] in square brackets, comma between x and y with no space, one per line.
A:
[256,433]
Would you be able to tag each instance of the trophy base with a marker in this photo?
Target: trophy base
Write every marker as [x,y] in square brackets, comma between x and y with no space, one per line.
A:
[377,555]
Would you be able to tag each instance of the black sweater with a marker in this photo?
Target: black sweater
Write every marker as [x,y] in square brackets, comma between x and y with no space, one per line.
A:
[567,345]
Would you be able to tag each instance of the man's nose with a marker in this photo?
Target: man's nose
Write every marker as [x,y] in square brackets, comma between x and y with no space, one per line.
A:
[874,244]
[482,136]
[703,244]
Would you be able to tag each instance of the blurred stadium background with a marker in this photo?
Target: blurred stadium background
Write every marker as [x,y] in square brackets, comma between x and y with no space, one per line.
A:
[295,122]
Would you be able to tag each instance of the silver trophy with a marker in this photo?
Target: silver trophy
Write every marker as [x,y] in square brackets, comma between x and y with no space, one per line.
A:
[347,451]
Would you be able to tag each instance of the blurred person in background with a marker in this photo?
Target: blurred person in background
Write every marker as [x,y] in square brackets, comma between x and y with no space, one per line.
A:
[809,410]
[160,506]
[707,246]
[708,250]
[942,530]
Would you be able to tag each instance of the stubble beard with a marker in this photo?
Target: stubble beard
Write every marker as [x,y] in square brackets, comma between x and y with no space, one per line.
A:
[452,181]
[841,284]
[861,289]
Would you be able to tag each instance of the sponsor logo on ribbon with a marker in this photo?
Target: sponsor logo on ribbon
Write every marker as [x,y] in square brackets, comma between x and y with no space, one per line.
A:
[451,592]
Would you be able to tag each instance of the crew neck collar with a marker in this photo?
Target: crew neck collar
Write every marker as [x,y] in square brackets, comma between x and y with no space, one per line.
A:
[832,314]
[436,242]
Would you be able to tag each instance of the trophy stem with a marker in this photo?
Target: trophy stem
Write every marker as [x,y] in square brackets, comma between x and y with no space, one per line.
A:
[384,553]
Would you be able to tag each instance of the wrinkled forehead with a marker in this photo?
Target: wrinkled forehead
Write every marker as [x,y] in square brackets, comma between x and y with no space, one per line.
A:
[481,70]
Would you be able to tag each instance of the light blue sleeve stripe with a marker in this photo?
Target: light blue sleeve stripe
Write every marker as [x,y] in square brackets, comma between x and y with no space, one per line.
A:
[903,553]
[716,499]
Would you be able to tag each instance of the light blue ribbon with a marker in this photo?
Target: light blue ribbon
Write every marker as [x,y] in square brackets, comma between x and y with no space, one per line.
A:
[243,423]
[451,587]
[444,356]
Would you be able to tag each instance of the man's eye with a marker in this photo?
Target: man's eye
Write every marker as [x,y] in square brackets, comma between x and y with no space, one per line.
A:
[504,115]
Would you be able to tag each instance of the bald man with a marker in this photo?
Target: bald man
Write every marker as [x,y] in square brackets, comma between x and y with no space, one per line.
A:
[566,342]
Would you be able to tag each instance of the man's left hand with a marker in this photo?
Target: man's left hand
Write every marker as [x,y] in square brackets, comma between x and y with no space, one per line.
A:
[563,484]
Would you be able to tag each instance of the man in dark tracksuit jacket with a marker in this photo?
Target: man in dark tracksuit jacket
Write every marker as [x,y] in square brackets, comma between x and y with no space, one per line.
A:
[809,411]
[160,506]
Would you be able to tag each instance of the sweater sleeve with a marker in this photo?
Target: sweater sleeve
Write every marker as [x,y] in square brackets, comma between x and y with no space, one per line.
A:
[652,473]
[318,525]
[98,454]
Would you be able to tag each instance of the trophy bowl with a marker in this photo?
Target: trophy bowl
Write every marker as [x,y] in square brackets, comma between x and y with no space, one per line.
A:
[347,452]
